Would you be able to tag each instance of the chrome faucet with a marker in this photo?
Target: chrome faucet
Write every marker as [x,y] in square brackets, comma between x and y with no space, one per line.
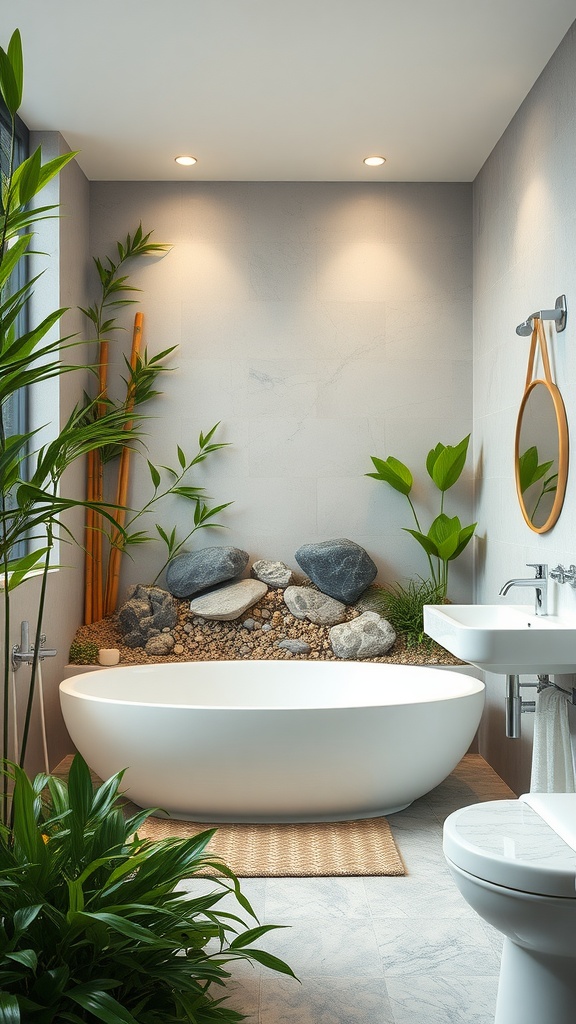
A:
[24,651]
[540,584]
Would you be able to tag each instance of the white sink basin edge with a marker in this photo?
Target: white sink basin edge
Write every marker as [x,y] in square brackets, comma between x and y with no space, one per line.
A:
[504,638]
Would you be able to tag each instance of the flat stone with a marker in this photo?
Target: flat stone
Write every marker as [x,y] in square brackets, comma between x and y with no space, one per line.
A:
[194,571]
[294,646]
[274,574]
[340,568]
[368,636]
[229,601]
[306,603]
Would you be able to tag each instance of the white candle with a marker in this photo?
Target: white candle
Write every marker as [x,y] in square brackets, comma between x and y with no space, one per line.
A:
[109,656]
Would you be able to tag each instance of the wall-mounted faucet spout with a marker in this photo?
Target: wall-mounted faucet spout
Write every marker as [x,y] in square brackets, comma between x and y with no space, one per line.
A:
[539,583]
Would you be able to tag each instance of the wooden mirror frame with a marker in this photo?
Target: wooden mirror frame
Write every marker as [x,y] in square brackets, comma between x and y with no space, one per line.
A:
[539,340]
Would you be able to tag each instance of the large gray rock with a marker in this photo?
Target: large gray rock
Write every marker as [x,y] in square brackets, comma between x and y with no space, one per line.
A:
[306,603]
[145,614]
[274,574]
[194,571]
[340,568]
[368,636]
[229,601]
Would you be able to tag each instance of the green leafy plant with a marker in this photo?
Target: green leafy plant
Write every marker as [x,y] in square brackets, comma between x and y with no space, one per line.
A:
[403,607]
[446,537]
[531,471]
[93,926]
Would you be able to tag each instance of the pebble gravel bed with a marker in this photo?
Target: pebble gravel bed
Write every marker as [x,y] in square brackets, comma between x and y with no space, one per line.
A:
[254,636]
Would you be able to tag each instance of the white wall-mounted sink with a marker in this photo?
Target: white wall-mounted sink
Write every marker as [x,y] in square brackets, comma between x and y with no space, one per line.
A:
[509,639]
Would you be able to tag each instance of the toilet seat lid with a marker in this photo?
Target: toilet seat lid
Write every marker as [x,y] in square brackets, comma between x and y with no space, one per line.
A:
[509,843]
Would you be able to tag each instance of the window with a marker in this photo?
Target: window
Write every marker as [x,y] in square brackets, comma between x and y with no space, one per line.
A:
[14,412]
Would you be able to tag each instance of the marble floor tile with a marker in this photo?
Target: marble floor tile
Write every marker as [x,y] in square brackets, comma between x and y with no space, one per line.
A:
[289,898]
[243,995]
[435,1000]
[434,946]
[327,946]
[416,897]
[325,1001]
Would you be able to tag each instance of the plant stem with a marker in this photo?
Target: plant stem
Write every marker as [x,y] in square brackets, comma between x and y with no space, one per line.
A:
[36,657]
[435,577]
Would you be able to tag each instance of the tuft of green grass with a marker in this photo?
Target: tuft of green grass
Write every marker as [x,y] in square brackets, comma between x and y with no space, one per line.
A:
[403,607]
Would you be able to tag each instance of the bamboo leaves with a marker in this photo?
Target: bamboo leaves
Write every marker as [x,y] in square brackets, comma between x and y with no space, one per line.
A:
[175,486]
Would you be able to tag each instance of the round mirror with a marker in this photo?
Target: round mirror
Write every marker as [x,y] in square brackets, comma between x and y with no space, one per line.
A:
[541,455]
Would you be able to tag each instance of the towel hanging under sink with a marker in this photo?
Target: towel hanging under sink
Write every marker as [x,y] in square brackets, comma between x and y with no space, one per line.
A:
[553,752]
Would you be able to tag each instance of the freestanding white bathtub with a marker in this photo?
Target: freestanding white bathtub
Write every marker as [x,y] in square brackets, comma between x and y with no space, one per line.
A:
[273,740]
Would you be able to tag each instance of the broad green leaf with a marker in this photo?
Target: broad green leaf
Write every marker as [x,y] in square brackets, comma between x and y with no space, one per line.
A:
[9,1009]
[124,926]
[9,86]
[425,541]
[101,1005]
[24,916]
[22,566]
[393,472]
[80,795]
[273,962]
[252,935]
[16,60]
[12,256]
[181,457]
[449,463]
[445,533]
[465,535]
[27,839]
[26,957]
[27,177]
[432,456]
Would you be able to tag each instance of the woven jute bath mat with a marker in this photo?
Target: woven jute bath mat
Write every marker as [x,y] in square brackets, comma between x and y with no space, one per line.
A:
[363,847]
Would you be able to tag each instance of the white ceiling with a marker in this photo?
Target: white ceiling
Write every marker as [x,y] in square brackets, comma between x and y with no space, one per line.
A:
[281,90]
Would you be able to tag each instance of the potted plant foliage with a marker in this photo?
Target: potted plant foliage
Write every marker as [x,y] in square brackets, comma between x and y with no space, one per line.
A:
[445,539]
[93,926]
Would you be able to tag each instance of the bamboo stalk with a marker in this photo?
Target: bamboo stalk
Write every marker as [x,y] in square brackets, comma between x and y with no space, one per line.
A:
[93,604]
[115,555]
[97,601]
[89,546]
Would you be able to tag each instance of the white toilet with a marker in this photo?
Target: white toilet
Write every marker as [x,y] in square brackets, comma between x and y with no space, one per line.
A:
[514,862]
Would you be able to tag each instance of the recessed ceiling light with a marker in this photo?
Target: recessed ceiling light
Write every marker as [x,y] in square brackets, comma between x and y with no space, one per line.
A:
[185,161]
[374,161]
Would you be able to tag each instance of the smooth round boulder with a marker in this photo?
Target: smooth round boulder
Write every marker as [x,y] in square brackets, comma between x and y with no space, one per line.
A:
[194,571]
[340,568]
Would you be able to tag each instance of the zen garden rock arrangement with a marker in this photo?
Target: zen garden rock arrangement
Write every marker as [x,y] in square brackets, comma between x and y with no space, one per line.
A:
[211,611]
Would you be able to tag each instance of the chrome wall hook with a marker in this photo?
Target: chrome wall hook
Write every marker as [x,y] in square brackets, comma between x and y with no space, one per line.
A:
[558,314]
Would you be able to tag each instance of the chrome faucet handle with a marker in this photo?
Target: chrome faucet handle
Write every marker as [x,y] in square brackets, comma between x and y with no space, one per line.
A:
[541,569]
[570,575]
[558,574]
